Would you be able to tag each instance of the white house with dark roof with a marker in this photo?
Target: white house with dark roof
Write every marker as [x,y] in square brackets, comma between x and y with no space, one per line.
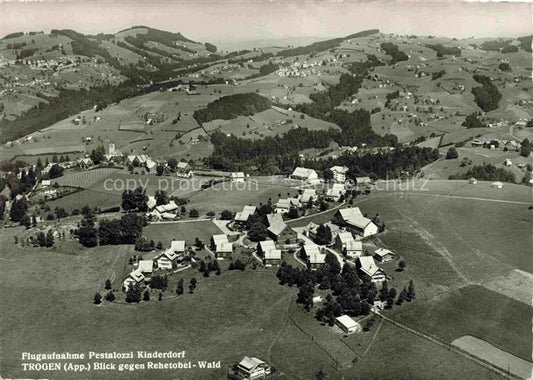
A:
[367,266]
[383,255]
[305,174]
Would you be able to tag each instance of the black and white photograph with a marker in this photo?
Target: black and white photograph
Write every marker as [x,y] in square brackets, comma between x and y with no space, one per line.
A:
[266,190]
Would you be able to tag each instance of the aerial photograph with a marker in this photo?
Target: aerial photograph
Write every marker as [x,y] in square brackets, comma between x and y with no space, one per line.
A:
[292,190]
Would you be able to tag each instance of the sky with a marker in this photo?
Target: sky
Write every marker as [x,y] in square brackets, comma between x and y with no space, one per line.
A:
[230,21]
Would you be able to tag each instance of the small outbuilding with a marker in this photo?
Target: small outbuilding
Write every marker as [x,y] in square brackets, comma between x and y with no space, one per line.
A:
[347,324]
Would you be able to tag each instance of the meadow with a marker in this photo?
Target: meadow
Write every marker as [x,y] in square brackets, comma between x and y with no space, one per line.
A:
[473,310]
[228,316]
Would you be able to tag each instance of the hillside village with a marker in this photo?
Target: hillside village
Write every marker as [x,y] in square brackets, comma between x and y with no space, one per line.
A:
[316,194]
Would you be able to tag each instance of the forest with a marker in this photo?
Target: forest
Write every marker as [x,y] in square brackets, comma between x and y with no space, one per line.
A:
[487,96]
[394,52]
[232,106]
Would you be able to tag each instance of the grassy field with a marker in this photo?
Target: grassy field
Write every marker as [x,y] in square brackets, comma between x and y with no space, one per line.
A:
[491,354]
[227,317]
[473,310]
[166,232]
[233,196]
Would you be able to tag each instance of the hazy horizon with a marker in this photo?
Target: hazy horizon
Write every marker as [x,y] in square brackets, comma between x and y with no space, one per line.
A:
[235,23]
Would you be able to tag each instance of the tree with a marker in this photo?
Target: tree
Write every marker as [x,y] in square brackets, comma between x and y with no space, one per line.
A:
[108,284]
[193,213]
[41,239]
[525,148]
[110,296]
[55,171]
[160,296]
[402,296]
[159,170]
[18,210]
[401,265]
[146,295]
[384,292]
[49,239]
[323,235]
[257,232]
[87,233]
[97,299]
[172,164]
[179,287]
[293,213]
[161,197]
[452,153]
[320,375]
[192,285]
[133,294]
[226,215]
[411,295]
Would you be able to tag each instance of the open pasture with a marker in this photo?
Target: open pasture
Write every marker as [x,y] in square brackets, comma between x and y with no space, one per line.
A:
[473,310]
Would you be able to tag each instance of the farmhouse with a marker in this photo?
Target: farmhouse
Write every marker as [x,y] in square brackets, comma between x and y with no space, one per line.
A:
[370,270]
[265,246]
[135,277]
[353,219]
[221,245]
[307,195]
[335,192]
[252,368]
[354,248]
[169,207]
[283,205]
[45,183]
[497,185]
[279,231]
[171,255]
[339,173]
[347,324]
[383,255]
[363,182]
[242,216]
[146,266]
[342,239]
[305,174]
[315,258]
[272,257]
[472,181]
[184,170]
[508,162]
[237,177]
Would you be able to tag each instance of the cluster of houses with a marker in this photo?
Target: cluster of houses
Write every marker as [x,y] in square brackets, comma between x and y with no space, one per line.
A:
[165,261]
